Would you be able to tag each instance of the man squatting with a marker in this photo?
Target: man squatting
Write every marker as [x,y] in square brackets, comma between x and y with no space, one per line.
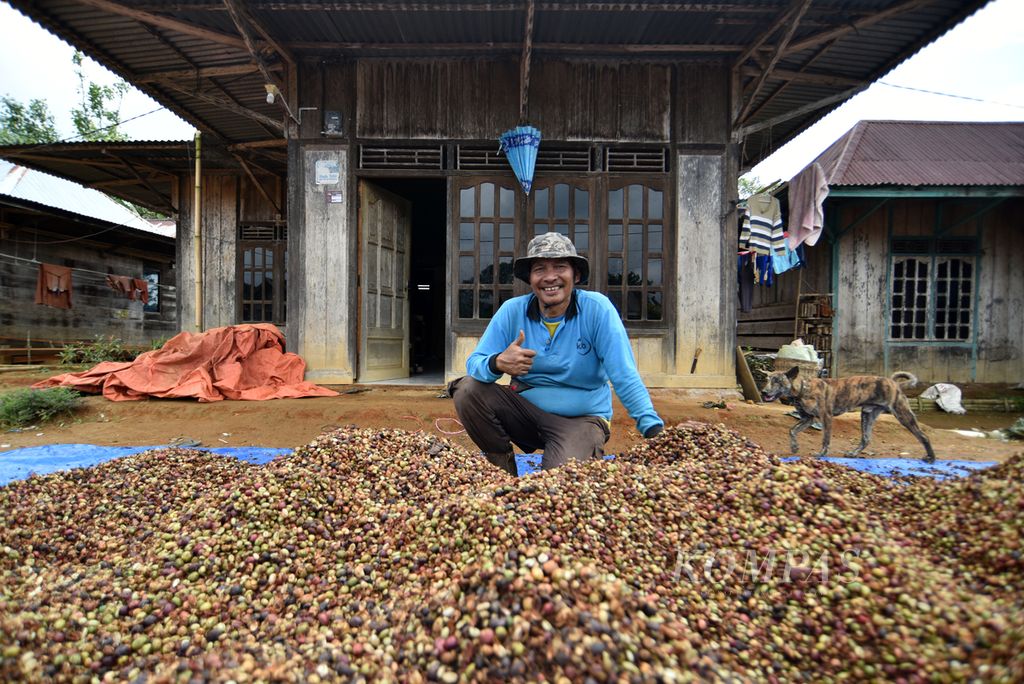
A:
[561,346]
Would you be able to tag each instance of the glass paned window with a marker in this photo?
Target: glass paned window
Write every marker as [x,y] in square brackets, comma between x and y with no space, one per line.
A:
[564,208]
[634,256]
[486,248]
[262,271]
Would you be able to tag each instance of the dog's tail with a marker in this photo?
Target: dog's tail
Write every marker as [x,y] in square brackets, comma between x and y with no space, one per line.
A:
[904,379]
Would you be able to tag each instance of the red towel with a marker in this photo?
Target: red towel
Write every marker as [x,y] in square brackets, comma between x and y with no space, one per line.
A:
[53,287]
[142,287]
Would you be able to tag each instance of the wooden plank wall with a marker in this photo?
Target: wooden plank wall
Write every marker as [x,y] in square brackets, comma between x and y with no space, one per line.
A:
[478,99]
[1001,294]
[860,299]
[227,197]
[863,295]
[701,113]
[96,309]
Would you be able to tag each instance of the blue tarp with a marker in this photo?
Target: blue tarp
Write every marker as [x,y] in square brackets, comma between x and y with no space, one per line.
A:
[887,467]
[18,464]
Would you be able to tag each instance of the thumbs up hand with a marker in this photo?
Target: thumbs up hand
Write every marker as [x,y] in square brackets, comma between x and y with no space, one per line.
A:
[516,359]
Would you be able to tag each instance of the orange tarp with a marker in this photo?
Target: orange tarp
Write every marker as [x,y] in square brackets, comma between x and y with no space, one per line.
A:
[246,362]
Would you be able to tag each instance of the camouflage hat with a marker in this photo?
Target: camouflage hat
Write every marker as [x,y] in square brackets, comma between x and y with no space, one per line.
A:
[550,246]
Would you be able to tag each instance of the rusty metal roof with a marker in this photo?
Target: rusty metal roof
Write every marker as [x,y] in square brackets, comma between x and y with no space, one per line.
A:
[797,60]
[914,153]
[140,171]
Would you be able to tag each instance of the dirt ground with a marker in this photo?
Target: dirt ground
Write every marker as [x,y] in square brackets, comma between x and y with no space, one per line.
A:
[290,423]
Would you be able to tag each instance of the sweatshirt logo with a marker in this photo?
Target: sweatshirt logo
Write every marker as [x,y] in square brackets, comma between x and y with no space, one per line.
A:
[582,347]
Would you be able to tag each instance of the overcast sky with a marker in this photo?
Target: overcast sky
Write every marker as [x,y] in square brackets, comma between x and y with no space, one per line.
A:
[983,59]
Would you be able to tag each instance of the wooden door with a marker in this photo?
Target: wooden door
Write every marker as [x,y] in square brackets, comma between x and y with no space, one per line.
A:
[384,237]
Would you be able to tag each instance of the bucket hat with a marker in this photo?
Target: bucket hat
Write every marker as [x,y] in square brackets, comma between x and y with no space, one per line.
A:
[550,246]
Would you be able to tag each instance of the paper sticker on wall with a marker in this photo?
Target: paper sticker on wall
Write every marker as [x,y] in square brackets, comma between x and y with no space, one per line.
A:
[328,172]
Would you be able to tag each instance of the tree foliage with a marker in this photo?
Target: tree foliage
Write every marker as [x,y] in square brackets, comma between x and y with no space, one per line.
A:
[749,185]
[29,124]
[97,116]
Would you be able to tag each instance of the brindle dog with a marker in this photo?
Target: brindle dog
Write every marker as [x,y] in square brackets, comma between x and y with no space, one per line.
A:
[822,399]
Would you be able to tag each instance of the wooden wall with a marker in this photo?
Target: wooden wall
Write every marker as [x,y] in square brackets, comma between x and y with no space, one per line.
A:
[227,198]
[862,328]
[1001,294]
[96,309]
[478,99]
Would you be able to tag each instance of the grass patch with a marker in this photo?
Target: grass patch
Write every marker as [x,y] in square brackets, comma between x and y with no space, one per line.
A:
[99,350]
[24,407]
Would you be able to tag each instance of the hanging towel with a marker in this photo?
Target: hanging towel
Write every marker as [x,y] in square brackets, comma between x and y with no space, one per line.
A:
[121,285]
[765,225]
[53,288]
[133,288]
[807,191]
[140,290]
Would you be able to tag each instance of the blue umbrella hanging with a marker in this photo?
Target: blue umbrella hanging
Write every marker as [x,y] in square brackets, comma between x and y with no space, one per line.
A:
[520,147]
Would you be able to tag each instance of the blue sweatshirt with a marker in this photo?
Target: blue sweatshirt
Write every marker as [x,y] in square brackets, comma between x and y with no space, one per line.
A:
[571,370]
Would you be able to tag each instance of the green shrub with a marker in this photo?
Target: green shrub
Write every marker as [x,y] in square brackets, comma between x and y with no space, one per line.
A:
[24,407]
[99,350]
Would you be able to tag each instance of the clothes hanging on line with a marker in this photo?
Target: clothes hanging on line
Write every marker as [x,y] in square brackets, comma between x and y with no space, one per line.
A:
[764,273]
[788,260]
[762,226]
[133,288]
[745,274]
[53,287]
[807,192]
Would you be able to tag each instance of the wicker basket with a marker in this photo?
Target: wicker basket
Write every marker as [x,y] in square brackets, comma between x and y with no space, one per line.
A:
[808,369]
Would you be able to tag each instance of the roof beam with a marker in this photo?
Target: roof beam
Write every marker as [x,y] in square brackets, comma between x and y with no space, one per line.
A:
[490,47]
[765,35]
[165,22]
[256,182]
[197,73]
[840,31]
[239,19]
[805,77]
[495,6]
[743,131]
[165,201]
[231,107]
[795,13]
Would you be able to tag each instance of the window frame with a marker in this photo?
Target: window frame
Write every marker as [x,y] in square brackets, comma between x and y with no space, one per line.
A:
[598,186]
[278,246]
[461,182]
[932,256]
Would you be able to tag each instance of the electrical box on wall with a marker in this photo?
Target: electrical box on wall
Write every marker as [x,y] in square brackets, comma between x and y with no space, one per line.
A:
[332,123]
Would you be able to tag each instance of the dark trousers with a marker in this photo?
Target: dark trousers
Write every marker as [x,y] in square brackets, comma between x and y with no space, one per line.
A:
[494,417]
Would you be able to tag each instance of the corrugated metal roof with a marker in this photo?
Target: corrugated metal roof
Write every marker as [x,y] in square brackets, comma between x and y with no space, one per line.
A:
[926,153]
[41,188]
[856,41]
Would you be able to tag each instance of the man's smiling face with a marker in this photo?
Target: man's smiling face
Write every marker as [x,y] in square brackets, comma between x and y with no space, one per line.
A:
[552,280]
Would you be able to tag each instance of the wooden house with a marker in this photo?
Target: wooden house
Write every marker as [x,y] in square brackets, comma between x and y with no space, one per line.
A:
[384,244]
[114,271]
[916,268]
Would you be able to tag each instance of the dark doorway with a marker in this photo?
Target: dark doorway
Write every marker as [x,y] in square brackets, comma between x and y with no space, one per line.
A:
[427,272]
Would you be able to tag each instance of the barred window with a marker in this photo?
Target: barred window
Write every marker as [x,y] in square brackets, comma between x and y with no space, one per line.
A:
[932,297]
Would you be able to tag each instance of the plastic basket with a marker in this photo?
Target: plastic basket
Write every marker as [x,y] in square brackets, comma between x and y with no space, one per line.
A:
[808,369]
